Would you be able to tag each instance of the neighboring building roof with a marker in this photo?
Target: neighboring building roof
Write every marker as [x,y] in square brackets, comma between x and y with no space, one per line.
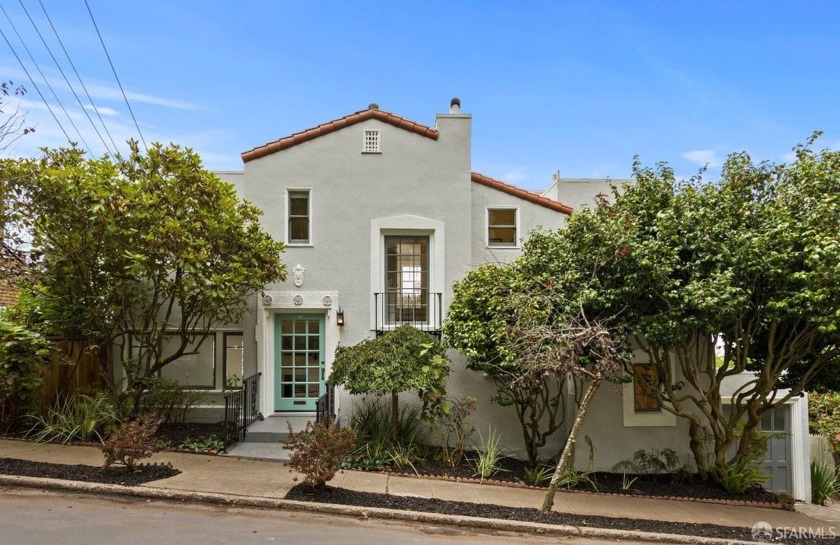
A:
[521,193]
[373,112]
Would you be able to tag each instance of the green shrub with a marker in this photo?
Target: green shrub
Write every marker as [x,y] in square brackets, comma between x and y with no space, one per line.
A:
[81,417]
[132,441]
[402,457]
[655,462]
[210,443]
[319,450]
[450,422]
[489,455]
[371,456]
[825,482]
[372,421]
[738,477]
[169,400]
[824,416]
[23,359]
[537,475]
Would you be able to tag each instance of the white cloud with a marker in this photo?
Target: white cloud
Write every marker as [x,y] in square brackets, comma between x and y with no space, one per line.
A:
[113,93]
[103,110]
[703,157]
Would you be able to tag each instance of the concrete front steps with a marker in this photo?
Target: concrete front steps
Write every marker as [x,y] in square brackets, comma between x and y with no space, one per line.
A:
[264,437]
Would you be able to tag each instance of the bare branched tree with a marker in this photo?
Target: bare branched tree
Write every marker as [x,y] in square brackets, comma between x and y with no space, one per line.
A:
[15,259]
[13,124]
[552,340]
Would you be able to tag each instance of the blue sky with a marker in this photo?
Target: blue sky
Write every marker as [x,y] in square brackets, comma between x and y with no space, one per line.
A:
[579,87]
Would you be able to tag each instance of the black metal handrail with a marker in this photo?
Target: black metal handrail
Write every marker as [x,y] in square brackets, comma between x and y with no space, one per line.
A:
[325,406]
[417,307]
[242,408]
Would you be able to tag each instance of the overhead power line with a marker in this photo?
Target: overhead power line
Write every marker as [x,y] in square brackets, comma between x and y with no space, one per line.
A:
[34,62]
[43,99]
[116,76]
[82,83]
[49,50]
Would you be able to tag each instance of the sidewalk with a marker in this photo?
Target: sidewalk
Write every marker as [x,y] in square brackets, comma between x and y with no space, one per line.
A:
[272,480]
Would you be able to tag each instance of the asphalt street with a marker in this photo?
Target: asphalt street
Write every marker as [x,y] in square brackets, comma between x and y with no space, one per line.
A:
[34,517]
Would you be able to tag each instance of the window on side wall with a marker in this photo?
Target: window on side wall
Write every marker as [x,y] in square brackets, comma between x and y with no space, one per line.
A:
[502,229]
[644,389]
[300,216]
[234,360]
[196,370]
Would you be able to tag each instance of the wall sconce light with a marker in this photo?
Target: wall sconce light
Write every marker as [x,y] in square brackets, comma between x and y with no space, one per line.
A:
[339,317]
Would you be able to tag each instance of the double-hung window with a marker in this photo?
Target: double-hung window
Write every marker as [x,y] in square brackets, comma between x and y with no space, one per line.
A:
[502,230]
[300,216]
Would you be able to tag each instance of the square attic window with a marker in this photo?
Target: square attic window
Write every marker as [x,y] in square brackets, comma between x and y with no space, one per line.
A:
[371,143]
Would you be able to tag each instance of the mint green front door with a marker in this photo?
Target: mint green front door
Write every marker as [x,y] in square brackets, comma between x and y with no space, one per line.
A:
[298,360]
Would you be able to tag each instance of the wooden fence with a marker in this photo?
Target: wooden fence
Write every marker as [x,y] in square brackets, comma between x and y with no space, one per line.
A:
[821,450]
[73,367]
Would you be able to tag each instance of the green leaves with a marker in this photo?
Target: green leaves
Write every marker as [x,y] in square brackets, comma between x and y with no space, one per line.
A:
[148,243]
[401,360]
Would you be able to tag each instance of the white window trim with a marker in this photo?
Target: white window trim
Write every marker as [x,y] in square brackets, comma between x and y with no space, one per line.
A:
[517,245]
[632,419]
[410,226]
[311,221]
[378,141]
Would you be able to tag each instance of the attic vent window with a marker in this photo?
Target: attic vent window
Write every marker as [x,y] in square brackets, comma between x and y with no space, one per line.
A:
[371,144]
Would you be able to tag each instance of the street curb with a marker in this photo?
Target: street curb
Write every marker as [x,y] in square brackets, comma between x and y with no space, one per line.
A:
[533,528]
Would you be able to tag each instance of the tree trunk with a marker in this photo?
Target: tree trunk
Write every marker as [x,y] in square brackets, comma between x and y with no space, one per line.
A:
[566,455]
[696,445]
[395,416]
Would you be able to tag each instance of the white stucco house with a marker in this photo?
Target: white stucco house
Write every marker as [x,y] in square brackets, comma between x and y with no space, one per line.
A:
[380,216]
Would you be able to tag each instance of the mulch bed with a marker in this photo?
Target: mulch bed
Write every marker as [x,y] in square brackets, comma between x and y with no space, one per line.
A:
[367,499]
[681,486]
[91,474]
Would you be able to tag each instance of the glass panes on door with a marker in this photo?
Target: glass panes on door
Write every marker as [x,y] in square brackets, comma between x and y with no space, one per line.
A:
[407,279]
[299,348]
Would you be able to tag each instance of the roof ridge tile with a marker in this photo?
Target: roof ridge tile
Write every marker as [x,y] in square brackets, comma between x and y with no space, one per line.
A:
[337,124]
[520,193]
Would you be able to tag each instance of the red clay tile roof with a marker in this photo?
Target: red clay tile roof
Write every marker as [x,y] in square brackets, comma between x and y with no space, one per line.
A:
[521,193]
[373,112]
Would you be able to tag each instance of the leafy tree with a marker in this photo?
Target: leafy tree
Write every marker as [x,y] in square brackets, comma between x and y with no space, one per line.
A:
[23,357]
[401,360]
[478,324]
[149,252]
[751,263]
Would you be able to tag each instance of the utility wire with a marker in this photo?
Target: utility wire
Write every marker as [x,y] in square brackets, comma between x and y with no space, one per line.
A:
[60,126]
[114,70]
[81,82]
[32,58]
[82,106]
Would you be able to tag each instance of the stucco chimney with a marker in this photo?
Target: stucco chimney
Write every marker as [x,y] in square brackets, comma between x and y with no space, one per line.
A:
[455,106]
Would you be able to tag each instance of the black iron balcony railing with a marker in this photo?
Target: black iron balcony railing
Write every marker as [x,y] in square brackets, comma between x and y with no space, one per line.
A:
[417,307]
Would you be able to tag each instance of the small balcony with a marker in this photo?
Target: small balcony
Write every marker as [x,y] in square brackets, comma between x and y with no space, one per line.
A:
[417,307]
